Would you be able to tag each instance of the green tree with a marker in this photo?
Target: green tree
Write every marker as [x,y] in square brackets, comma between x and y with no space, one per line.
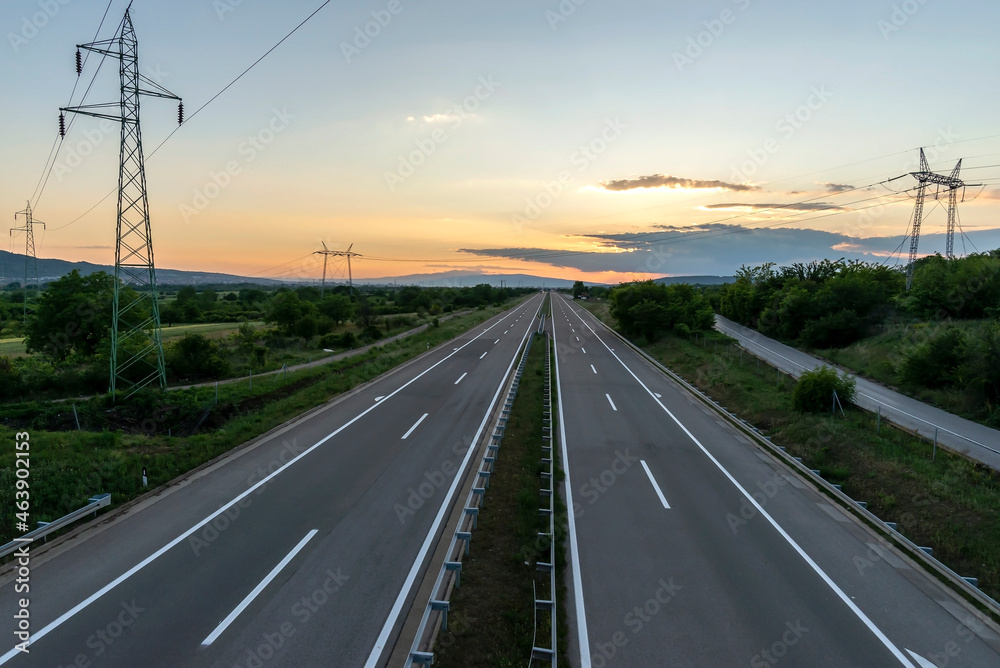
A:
[286,309]
[650,309]
[338,307]
[195,356]
[578,289]
[73,315]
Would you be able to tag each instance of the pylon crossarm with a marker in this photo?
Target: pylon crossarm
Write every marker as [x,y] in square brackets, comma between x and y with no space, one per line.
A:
[158,90]
[97,47]
[84,112]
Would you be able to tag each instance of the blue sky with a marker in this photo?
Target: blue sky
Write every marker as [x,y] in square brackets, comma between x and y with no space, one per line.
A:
[473,135]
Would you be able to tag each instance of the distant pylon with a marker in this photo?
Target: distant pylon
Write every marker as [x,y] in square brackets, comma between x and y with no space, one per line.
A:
[951,184]
[327,253]
[30,259]
[136,344]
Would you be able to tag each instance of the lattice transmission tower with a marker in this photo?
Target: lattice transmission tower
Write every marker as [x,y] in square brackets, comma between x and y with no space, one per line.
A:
[136,344]
[950,184]
[327,253]
[30,259]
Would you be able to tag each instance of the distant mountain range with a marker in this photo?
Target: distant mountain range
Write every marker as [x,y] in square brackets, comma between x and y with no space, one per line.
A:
[49,269]
[458,278]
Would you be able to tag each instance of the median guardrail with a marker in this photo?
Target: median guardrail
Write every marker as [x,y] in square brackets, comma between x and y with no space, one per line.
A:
[435,615]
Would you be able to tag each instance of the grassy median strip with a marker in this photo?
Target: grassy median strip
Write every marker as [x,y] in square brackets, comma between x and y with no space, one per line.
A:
[492,616]
[69,466]
[949,504]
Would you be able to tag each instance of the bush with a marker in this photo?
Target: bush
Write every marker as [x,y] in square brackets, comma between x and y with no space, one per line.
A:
[835,330]
[329,341]
[371,333]
[195,356]
[935,363]
[348,340]
[814,391]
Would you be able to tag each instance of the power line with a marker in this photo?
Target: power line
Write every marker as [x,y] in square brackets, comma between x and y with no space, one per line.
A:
[43,180]
[210,100]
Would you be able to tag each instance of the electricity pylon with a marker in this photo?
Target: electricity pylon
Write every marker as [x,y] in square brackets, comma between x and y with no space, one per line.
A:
[951,184]
[30,259]
[136,344]
[327,253]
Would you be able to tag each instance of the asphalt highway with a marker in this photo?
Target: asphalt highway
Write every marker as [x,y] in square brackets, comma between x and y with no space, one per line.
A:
[974,440]
[299,550]
[691,547]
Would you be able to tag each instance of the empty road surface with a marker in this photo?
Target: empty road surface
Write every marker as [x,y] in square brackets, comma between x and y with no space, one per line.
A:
[299,551]
[691,547]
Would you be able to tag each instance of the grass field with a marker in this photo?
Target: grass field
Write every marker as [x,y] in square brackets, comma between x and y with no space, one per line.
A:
[12,347]
[950,504]
[212,330]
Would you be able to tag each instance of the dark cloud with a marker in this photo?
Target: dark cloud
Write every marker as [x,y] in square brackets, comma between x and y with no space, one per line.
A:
[837,187]
[801,206]
[661,181]
[718,249]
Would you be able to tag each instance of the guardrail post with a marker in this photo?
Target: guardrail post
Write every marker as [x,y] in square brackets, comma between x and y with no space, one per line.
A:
[442,607]
[455,566]
[467,537]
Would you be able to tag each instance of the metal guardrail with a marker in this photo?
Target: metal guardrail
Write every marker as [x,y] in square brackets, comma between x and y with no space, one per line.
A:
[96,503]
[966,586]
[549,654]
[435,615]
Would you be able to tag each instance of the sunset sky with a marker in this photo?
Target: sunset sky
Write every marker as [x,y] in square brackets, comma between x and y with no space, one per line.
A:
[587,139]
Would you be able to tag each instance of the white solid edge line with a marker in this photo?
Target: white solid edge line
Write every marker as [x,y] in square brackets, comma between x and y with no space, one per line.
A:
[257,590]
[461,377]
[61,619]
[741,336]
[659,493]
[484,355]
[415,425]
[613,407]
[404,592]
[574,549]
[760,509]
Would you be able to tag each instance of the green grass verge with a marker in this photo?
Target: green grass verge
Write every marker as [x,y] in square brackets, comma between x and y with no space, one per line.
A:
[67,467]
[950,504]
[492,619]
[881,357]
